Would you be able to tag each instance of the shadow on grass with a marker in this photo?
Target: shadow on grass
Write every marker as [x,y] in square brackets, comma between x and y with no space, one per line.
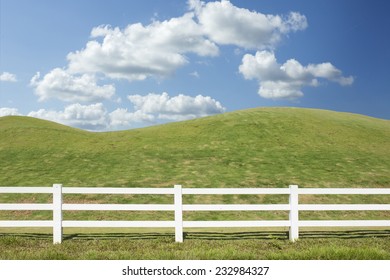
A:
[283,235]
[259,235]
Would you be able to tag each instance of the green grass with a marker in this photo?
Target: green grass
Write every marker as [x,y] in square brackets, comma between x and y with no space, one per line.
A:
[355,245]
[251,148]
[264,147]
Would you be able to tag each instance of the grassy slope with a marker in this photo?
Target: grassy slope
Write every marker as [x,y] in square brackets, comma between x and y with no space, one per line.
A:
[251,148]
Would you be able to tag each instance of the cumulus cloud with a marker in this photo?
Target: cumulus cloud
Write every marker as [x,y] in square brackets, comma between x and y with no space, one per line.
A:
[227,24]
[181,107]
[123,118]
[59,84]
[7,77]
[9,112]
[286,81]
[153,108]
[138,52]
[159,49]
[149,109]
[90,117]
[94,117]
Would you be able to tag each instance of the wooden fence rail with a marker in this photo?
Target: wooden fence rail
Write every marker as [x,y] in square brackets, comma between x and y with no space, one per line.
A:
[293,223]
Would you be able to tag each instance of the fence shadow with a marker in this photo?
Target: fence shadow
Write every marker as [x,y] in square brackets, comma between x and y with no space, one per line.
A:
[284,235]
[260,235]
[210,235]
[112,236]
[43,236]
[348,234]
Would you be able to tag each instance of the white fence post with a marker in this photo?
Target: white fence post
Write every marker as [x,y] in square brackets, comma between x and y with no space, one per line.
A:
[178,214]
[57,213]
[294,215]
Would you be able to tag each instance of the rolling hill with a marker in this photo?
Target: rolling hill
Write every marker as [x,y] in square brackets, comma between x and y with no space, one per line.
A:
[249,148]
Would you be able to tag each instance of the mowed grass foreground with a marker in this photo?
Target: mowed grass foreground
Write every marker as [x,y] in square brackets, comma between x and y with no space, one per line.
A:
[268,147]
[346,245]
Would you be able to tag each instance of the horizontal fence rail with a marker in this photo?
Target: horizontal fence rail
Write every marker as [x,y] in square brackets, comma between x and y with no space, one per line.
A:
[293,207]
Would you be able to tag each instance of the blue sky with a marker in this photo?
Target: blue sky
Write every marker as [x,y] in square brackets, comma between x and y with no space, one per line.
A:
[108,65]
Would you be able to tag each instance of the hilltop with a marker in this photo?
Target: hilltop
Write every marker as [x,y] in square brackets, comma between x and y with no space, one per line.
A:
[249,148]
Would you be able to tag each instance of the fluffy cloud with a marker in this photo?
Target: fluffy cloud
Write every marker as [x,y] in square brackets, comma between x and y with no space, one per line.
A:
[9,112]
[7,77]
[59,84]
[181,107]
[91,117]
[225,24]
[159,49]
[123,118]
[148,109]
[153,108]
[286,81]
[138,51]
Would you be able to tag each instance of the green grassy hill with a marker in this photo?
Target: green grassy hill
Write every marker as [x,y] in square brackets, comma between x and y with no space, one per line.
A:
[267,147]
[250,148]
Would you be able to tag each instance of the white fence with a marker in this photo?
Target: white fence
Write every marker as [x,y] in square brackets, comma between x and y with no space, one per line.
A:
[178,207]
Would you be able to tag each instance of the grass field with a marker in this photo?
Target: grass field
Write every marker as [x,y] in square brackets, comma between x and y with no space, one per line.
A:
[265,147]
[251,148]
[353,244]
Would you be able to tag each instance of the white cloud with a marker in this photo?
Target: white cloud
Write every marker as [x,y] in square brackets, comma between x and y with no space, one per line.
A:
[227,24]
[148,109]
[138,52]
[90,117]
[195,74]
[123,118]
[286,81]
[9,112]
[181,107]
[7,77]
[59,84]
[93,117]
[294,21]
[159,49]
